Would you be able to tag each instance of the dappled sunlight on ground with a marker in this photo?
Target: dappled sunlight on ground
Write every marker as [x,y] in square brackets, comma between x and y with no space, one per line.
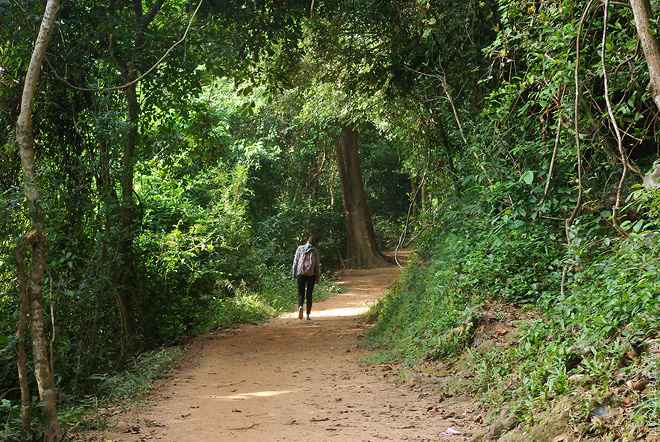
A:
[332,313]
[294,381]
[256,394]
[356,311]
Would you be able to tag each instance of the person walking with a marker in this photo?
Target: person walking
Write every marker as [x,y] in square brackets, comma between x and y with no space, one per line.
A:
[307,271]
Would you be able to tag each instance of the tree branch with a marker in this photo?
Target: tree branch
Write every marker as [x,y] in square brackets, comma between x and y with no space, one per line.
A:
[554,156]
[610,111]
[123,66]
[578,204]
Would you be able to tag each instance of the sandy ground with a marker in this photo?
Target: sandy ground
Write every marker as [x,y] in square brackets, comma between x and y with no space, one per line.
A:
[296,380]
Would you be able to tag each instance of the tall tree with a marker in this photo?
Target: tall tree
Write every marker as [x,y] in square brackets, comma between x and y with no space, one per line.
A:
[361,247]
[37,236]
[125,283]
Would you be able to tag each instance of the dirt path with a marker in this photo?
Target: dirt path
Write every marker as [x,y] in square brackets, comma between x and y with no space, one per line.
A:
[296,380]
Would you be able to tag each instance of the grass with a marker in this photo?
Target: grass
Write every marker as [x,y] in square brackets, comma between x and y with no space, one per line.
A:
[587,341]
[119,391]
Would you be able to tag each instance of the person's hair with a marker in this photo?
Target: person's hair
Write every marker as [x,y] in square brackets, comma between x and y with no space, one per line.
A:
[313,240]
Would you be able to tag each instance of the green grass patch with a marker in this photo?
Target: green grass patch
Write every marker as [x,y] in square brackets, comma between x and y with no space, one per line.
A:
[429,299]
[589,340]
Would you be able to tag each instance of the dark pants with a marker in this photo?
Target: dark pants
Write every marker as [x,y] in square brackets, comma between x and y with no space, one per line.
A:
[307,282]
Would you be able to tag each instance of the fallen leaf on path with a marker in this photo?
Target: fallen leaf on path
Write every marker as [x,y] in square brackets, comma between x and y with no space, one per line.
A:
[560,438]
[637,385]
[385,368]
[236,411]
[320,419]
[132,430]
[500,332]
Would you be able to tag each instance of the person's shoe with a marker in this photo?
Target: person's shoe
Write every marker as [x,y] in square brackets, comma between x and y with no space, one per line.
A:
[308,318]
[300,312]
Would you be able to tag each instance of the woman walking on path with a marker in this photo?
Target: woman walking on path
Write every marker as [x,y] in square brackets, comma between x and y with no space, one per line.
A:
[306,269]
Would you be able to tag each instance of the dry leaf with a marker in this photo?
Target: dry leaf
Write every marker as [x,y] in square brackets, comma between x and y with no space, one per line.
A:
[637,385]
[500,332]
[560,438]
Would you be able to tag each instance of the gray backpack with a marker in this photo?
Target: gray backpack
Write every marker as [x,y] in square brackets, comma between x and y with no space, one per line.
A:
[306,263]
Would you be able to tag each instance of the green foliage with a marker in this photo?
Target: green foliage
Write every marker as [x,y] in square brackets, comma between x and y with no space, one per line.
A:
[428,301]
[463,267]
[576,346]
[118,389]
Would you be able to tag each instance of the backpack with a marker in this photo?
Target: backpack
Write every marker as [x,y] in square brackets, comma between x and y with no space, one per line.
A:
[307,263]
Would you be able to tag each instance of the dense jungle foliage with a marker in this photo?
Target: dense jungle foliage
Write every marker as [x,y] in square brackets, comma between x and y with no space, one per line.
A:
[184,149]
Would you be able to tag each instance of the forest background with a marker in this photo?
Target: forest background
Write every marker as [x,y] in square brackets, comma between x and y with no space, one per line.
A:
[163,161]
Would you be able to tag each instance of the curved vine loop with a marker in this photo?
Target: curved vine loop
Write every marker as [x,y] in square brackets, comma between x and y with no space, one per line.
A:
[578,204]
[615,126]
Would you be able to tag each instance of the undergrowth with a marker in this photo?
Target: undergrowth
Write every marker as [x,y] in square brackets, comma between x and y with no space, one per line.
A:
[427,301]
[593,336]
[453,273]
[271,297]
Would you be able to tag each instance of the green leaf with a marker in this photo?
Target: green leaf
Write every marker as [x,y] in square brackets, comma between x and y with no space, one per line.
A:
[528,177]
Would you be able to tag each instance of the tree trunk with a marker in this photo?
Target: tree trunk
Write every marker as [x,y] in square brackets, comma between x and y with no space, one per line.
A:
[449,154]
[125,277]
[415,199]
[642,12]
[21,363]
[361,248]
[25,142]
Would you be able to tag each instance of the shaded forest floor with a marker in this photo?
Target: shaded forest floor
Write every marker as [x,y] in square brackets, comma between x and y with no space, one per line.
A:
[294,380]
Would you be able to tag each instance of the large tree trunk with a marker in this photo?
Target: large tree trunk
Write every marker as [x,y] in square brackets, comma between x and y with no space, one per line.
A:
[25,141]
[642,12]
[361,248]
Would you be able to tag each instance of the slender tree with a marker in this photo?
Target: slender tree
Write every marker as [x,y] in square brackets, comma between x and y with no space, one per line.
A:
[21,359]
[37,236]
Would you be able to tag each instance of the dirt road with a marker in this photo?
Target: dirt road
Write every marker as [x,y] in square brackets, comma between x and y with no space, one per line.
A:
[296,380]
